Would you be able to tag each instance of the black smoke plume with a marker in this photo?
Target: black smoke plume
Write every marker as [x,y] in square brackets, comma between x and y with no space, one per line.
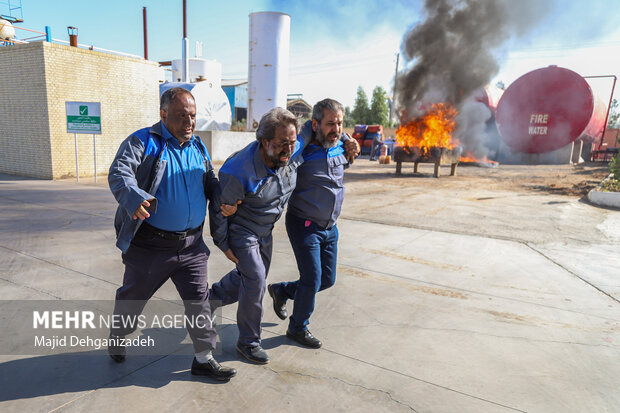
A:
[452,52]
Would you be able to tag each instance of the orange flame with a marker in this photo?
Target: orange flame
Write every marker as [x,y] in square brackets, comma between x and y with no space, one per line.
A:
[469,157]
[433,129]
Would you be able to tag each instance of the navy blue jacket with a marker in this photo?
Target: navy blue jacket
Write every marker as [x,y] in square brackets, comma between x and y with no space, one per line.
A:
[263,192]
[319,192]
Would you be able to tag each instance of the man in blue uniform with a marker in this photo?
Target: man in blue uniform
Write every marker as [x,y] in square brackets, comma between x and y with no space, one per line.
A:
[162,177]
[311,218]
[263,176]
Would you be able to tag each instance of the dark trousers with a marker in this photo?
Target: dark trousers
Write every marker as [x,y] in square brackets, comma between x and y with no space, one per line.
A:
[316,251]
[149,262]
[246,283]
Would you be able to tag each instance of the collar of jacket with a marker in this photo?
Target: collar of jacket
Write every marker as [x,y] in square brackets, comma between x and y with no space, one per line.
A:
[160,130]
[306,131]
[156,129]
[259,165]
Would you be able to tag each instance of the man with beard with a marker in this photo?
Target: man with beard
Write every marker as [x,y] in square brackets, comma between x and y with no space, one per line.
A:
[262,176]
[311,218]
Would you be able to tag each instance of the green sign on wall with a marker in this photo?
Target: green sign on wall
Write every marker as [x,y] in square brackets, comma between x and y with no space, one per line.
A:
[83,117]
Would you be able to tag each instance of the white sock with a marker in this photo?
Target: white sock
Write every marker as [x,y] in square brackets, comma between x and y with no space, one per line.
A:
[204,356]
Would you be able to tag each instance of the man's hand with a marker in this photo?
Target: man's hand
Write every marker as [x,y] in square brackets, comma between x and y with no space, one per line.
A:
[141,213]
[228,210]
[352,149]
[231,256]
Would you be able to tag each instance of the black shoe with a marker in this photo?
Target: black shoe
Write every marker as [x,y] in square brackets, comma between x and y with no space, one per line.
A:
[255,354]
[213,369]
[279,305]
[117,352]
[305,338]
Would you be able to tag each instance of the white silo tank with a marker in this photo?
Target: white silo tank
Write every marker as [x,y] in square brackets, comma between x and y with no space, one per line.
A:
[7,31]
[270,38]
[211,70]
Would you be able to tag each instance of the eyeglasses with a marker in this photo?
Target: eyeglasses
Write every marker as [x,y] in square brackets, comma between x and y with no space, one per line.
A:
[282,144]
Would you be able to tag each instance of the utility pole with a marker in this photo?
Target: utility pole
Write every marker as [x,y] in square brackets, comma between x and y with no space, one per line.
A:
[185,73]
[146,41]
[395,84]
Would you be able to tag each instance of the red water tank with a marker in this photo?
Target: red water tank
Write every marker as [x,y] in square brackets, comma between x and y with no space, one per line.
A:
[547,109]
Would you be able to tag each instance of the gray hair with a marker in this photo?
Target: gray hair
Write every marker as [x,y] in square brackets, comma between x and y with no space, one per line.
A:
[276,117]
[329,104]
[169,95]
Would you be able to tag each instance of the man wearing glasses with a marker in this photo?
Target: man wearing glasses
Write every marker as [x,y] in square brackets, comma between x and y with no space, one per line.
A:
[262,176]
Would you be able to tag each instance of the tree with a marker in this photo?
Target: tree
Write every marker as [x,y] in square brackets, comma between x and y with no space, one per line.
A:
[379,110]
[614,115]
[360,109]
[348,118]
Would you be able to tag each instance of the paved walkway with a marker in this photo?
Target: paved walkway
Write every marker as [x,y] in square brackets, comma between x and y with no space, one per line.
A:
[419,320]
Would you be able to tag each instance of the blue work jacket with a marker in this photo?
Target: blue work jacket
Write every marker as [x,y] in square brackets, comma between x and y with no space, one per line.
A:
[136,173]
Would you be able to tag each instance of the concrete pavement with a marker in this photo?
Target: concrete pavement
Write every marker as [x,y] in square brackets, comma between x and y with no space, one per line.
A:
[475,314]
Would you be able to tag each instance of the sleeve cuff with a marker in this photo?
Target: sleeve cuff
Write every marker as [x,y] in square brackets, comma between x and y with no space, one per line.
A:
[224,246]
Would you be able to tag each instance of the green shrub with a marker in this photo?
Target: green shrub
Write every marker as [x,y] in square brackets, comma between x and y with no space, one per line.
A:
[614,167]
[238,125]
[613,184]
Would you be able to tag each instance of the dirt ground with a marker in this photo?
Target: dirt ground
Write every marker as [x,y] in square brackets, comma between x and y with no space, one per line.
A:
[525,203]
[566,180]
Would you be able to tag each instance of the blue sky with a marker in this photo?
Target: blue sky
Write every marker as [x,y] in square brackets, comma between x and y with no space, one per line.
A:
[335,45]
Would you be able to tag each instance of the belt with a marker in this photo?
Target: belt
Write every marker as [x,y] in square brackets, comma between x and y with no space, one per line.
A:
[171,235]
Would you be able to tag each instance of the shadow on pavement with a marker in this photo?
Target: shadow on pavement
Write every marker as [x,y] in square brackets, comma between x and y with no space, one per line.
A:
[90,370]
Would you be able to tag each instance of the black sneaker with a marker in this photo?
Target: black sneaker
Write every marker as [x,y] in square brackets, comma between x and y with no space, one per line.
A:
[279,304]
[116,351]
[305,338]
[255,354]
[213,369]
